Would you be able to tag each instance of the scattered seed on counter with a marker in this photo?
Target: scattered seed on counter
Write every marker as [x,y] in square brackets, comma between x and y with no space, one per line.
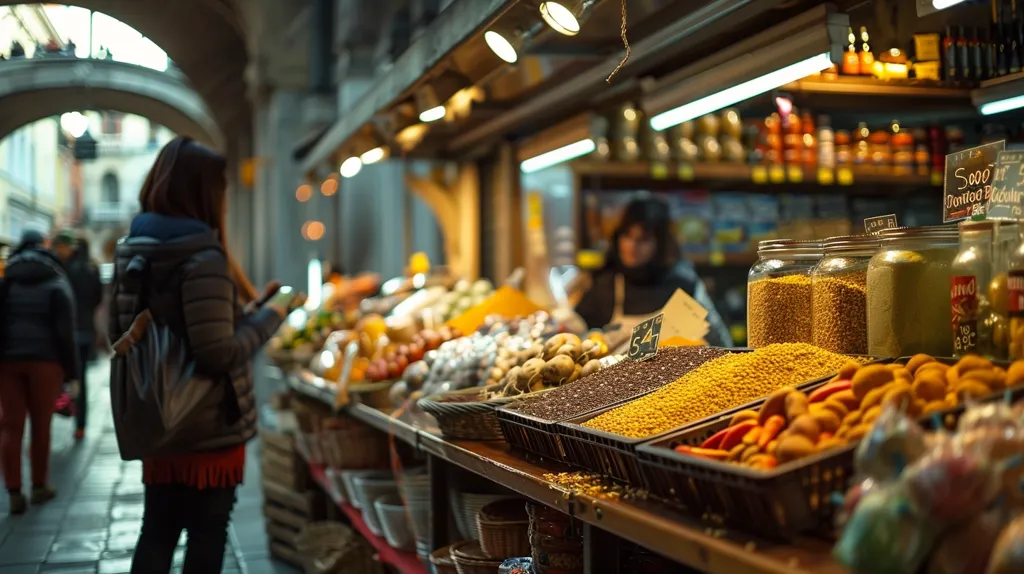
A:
[724,383]
[594,486]
[778,310]
[621,381]
[840,311]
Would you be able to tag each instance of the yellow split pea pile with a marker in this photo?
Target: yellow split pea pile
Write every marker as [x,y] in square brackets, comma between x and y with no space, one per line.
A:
[724,383]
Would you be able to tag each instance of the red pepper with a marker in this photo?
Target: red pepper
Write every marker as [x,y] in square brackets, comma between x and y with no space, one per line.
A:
[828,390]
[772,427]
[736,434]
[715,440]
[710,453]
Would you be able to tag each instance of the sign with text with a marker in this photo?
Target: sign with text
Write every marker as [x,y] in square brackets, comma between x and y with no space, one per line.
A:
[1006,202]
[968,181]
[643,343]
[880,223]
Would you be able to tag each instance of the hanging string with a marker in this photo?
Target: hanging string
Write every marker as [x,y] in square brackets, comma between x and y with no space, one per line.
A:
[625,42]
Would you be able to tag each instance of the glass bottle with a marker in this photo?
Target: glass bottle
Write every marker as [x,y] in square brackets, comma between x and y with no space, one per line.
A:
[851,61]
[969,305]
[1015,301]
[1007,243]
[867,57]
[949,52]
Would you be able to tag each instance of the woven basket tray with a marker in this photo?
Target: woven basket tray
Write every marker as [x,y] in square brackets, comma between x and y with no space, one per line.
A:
[372,394]
[462,415]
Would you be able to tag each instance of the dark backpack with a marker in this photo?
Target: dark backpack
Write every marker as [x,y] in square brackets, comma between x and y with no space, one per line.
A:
[155,390]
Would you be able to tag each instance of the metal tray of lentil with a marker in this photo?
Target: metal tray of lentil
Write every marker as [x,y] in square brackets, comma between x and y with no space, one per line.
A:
[615,455]
[792,499]
[540,436]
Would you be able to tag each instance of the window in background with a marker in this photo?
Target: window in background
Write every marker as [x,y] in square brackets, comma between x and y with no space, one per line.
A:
[112,122]
[110,188]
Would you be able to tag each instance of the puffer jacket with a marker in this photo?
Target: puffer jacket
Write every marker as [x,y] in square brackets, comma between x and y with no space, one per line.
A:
[190,292]
[38,313]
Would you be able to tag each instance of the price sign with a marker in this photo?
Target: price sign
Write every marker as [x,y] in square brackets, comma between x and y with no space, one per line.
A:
[968,181]
[1006,202]
[659,170]
[759,174]
[965,337]
[878,223]
[643,342]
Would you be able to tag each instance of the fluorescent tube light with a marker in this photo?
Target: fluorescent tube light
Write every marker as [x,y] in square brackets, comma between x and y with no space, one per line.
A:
[741,92]
[1000,106]
[557,156]
[433,114]
[943,4]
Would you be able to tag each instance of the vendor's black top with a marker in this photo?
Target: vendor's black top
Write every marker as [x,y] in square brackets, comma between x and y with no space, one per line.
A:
[192,293]
[37,310]
[648,289]
[88,289]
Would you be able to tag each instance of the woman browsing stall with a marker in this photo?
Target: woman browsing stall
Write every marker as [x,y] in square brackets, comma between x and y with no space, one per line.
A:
[642,271]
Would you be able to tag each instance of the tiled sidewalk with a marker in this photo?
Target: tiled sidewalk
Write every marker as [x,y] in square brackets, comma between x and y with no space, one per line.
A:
[93,524]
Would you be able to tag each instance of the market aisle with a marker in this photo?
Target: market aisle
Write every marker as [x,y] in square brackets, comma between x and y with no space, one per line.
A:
[93,524]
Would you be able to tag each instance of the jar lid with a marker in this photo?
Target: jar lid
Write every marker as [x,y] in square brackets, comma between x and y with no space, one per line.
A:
[789,246]
[850,243]
[933,232]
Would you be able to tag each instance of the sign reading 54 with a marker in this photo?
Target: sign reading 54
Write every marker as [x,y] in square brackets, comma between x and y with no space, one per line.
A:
[643,343]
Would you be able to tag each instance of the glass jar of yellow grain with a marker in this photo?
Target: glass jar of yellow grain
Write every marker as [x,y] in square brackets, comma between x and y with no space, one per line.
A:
[908,292]
[839,294]
[779,292]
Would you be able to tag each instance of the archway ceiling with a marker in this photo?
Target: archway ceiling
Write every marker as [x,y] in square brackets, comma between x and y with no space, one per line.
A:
[204,38]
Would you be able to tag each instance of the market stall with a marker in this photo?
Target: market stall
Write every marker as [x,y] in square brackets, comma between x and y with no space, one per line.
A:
[843,177]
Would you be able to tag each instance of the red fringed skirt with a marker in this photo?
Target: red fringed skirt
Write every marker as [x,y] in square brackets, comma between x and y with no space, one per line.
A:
[212,469]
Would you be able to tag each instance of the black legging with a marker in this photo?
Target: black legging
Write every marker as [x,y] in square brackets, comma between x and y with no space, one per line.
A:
[169,509]
[82,402]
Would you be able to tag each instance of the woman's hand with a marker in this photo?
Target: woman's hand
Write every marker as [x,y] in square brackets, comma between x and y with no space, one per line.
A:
[269,291]
[285,303]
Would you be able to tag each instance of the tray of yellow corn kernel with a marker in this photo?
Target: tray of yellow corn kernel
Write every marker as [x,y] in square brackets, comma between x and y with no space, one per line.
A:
[605,441]
[792,494]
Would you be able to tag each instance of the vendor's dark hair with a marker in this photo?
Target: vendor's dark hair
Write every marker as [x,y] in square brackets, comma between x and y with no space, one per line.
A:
[655,216]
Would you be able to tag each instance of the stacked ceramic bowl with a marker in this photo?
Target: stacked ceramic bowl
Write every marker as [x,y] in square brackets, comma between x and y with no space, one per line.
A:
[394,522]
[365,491]
[414,487]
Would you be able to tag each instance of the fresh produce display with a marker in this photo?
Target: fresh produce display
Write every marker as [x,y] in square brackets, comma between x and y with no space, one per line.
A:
[792,424]
[938,503]
[438,304]
[618,382]
[309,339]
[724,383]
[563,359]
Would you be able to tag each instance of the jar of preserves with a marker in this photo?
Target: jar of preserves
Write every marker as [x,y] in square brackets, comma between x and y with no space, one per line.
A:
[968,299]
[908,292]
[779,292]
[839,294]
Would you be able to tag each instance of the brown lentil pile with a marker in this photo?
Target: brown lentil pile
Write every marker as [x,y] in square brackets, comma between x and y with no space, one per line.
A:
[621,381]
[724,383]
[840,312]
[593,485]
[778,310]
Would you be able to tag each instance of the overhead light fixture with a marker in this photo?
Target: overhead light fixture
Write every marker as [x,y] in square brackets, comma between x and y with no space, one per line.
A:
[943,4]
[1000,106]
[505,42]
[558,155]
[74,123]
[375,155]
[740,92]
[350,167]
[565,17]
[434,95]
[432,114]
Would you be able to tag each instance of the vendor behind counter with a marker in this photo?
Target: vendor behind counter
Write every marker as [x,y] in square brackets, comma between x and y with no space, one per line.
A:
[642,270]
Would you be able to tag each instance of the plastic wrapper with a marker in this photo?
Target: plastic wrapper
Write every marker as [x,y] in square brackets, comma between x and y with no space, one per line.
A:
[1008,554]
[992,415]
[965,548]
[885,535]
[895,441]
[853,496]
[516,566]
[950,485]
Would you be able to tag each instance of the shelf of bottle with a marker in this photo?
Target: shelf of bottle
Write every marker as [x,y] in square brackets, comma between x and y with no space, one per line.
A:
[870,86]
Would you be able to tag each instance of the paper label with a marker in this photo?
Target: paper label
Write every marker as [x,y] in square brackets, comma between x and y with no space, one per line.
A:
[963,298]
[1015,287]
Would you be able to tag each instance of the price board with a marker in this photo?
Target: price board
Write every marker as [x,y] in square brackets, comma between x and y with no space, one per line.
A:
[879,223]
[968,181]
[643,342]
[1006,201]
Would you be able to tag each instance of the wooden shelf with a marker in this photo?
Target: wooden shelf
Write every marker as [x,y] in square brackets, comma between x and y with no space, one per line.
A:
[404,562]
[775,179]
[866,86]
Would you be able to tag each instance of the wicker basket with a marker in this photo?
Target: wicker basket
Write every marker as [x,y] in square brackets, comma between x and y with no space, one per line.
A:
[373,395]
[353,445]
[470,559]
[333,548]
[442,562]
[463,415]
[504,529]
[466,505]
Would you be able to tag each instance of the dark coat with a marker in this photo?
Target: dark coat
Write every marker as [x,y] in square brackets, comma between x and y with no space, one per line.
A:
[38,315]
[192,293]
[648,296]
[84,277]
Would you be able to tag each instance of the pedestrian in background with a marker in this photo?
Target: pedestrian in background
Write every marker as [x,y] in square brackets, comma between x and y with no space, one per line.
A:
[37,356]
[84,276]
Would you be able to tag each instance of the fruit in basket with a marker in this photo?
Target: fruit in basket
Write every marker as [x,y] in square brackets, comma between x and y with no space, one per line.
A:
[373,325]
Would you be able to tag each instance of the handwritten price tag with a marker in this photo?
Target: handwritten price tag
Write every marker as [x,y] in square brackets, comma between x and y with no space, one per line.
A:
[643,343]
[879,223]
[1006,202]
[968,181]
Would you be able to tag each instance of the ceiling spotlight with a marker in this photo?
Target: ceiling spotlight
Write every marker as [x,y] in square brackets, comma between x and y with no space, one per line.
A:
[432,114]
[565,17]
[432,97]
[505,42]
[376,154]
[350,167]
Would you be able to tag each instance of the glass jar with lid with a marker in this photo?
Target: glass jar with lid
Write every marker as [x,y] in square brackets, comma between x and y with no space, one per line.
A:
[1007,242]
[968,299]
[839,294]
[908,292]
[779,292]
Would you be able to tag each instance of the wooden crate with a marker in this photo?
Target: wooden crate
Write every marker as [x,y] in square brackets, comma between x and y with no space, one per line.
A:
[309,504]
[281,539]
[281,463]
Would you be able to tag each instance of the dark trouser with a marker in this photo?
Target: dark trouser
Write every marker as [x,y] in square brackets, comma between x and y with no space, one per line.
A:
[82,402]
[171,508]
[30,389]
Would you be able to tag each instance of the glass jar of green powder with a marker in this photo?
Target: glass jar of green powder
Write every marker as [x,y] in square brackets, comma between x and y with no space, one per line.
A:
[908,292]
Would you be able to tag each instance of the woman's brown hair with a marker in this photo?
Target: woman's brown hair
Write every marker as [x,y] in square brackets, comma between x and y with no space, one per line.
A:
[189,180]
